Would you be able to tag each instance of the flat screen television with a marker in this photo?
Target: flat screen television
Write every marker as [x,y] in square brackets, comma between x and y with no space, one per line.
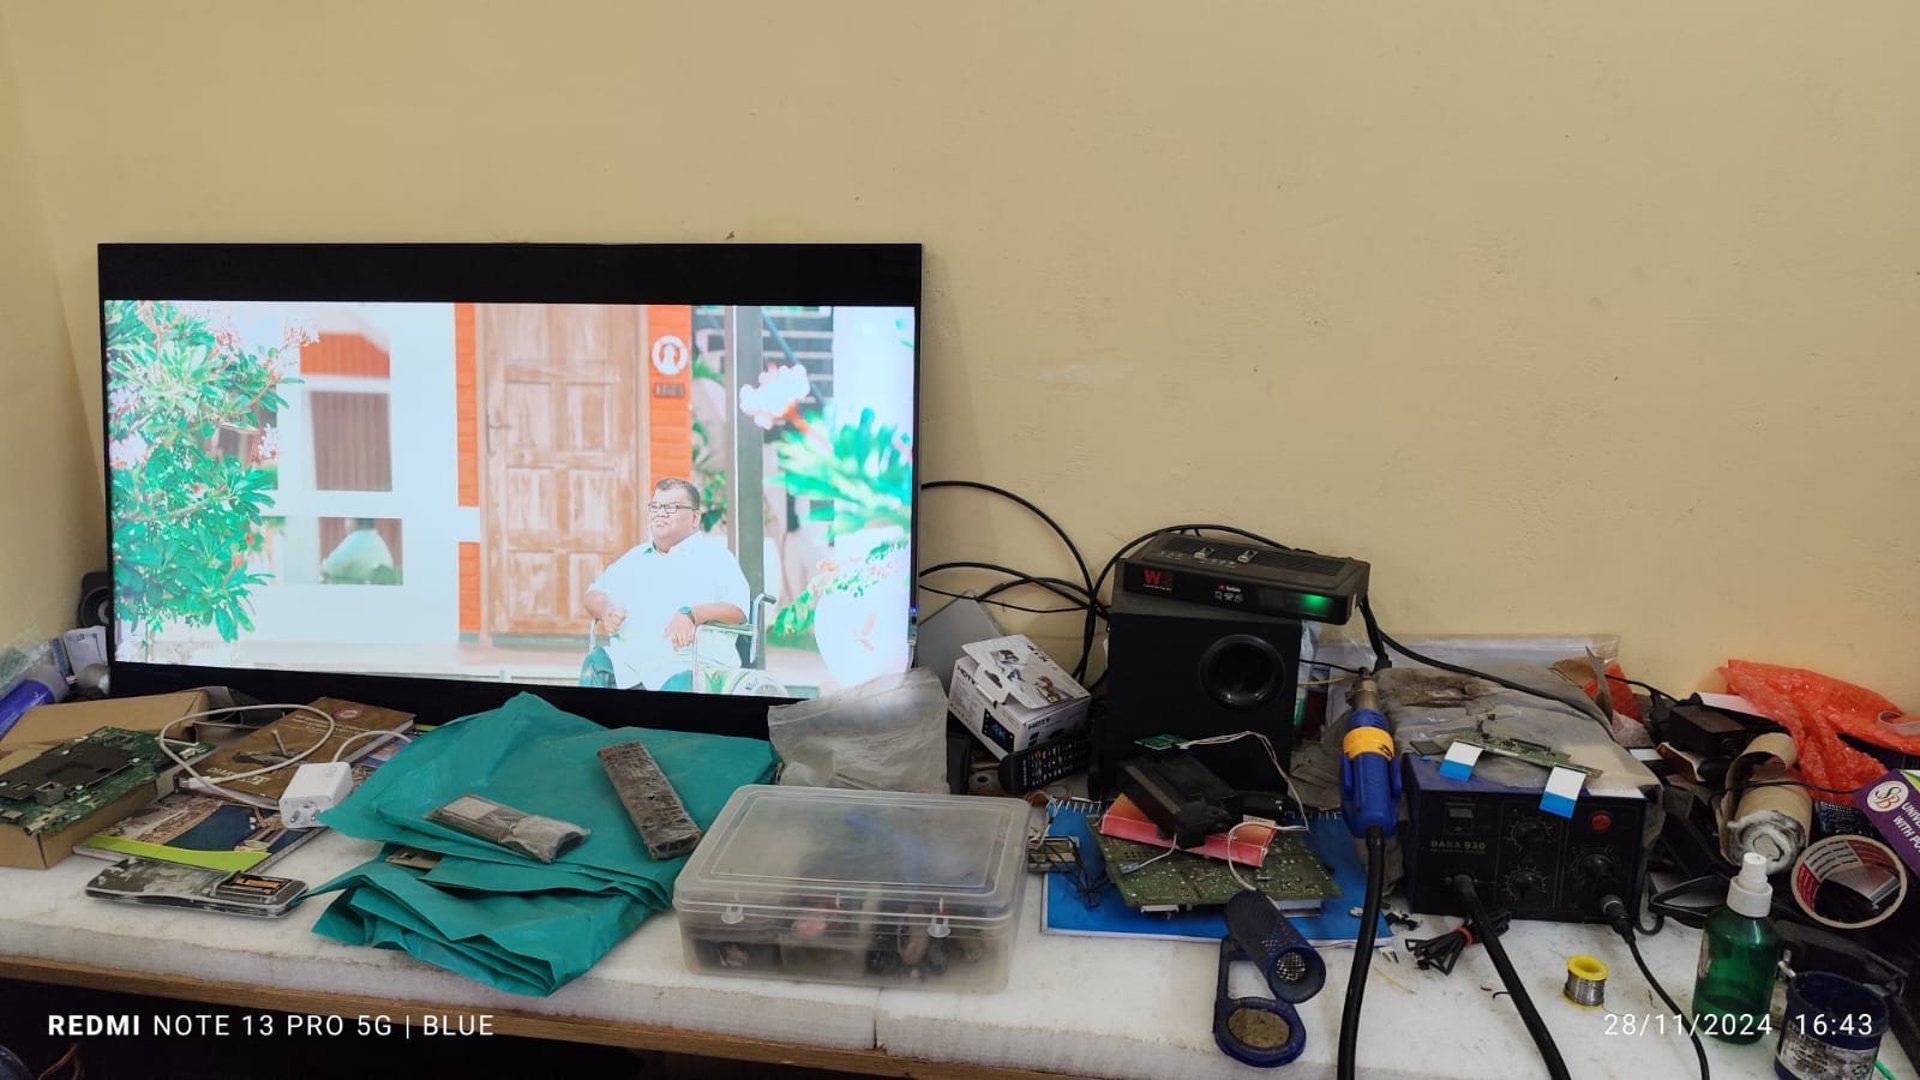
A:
[655,484]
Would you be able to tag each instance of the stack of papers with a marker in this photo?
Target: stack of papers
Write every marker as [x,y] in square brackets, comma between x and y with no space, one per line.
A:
[492,914]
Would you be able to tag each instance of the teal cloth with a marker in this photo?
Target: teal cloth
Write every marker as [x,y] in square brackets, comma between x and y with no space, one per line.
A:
[492,914]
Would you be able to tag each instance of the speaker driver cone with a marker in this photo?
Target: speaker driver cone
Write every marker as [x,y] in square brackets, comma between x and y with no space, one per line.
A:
[1241,671]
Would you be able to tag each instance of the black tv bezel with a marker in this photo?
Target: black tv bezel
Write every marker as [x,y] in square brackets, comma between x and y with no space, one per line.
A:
[854,273]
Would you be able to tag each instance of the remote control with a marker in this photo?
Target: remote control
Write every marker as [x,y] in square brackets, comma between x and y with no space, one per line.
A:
[650,800]
[1038,766]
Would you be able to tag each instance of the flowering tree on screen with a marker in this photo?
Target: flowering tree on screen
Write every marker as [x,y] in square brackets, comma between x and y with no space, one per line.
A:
[865,469]
[192,464]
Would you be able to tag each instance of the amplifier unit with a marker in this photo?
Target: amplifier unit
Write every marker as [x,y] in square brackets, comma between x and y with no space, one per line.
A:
[1246,577]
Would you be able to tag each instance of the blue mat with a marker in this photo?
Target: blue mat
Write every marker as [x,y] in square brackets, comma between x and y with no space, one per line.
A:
[1066,913]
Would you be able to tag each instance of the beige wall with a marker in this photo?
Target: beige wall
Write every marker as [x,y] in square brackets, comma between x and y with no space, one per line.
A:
[1567,317]
[50,529]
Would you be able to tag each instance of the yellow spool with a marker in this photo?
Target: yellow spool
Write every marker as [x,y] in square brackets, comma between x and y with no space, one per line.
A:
[1586,981]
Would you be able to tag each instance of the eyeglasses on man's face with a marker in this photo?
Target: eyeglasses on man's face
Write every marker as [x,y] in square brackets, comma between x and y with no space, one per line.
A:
[666,508]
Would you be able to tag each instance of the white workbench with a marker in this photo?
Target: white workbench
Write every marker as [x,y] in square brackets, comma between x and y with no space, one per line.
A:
[1101,1007]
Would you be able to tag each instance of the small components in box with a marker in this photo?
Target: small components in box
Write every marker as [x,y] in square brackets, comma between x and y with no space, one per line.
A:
[861,887]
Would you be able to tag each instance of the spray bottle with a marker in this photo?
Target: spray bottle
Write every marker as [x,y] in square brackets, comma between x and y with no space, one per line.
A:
[1739,955]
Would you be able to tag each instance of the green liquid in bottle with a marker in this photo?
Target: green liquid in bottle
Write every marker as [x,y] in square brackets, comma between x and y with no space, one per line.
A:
[1739,956]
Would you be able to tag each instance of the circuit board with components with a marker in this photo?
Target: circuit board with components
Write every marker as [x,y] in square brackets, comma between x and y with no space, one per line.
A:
[72,780]
[1292,876]
[1544,756]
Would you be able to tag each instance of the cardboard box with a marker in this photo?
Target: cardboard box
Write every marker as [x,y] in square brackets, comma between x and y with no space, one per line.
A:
[1012,696]
[1890,804]
[51,725]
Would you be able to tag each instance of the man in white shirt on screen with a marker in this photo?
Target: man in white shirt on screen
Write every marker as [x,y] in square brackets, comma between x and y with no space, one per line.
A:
[650,601]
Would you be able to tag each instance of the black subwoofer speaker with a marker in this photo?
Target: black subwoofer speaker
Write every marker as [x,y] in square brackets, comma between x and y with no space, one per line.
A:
[96,599]
[1196,671]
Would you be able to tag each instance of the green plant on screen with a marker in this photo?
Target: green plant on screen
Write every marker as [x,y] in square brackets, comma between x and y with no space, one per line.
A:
[189,510]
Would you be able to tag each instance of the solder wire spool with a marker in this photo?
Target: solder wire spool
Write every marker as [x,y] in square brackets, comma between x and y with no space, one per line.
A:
[1586,981]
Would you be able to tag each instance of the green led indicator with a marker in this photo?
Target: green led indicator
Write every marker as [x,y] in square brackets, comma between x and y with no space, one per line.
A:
[1310,604]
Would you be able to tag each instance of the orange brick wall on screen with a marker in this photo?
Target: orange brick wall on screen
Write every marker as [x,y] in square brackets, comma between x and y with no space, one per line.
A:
[466,388]
[466,384]
[469,587]
[669,412]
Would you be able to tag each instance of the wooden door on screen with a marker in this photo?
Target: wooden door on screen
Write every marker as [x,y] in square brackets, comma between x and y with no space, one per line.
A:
[562,446]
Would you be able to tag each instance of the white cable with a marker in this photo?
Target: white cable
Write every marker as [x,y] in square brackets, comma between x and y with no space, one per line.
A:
[216,785]
[1292,792]
[1232,869]
[351,739]
[1132,867]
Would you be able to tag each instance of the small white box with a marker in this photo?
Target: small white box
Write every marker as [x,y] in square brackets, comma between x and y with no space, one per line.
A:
[1012,696]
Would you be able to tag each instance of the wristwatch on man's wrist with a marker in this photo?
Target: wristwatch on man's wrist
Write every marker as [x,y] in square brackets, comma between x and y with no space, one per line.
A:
[688,612]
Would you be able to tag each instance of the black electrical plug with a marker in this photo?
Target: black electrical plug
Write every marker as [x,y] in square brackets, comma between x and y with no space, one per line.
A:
[1614,910]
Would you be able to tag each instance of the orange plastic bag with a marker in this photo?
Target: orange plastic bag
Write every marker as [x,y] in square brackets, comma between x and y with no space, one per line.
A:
[1815,709]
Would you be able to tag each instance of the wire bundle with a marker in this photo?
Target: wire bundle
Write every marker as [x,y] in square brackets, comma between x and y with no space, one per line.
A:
[1083,596]
[1444,951]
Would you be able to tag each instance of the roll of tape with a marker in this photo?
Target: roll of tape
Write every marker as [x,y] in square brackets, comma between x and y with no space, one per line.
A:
[1849,882]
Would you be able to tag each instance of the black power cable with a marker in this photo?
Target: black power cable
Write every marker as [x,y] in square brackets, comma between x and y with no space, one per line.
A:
[982,598]
[1618,917]
[1444,951]
[1648,687]
[1080,561]
[1530,1016]
[1375,636]
[987,595]
[1573,701]
[1362,951]
[1058,586]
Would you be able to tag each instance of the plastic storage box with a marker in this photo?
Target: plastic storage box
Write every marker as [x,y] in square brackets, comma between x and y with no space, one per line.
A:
[862,887]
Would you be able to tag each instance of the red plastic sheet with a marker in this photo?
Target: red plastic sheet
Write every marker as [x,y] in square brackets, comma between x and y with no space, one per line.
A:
[1816,709]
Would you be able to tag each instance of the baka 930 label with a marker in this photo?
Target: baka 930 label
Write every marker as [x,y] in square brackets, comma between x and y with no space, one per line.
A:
[1719,1026]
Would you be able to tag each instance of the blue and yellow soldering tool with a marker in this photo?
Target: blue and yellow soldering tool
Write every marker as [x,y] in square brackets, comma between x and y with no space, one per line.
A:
[1370,803]
[1369,778]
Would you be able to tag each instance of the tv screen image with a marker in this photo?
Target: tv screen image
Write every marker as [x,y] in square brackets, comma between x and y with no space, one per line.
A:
[705,497]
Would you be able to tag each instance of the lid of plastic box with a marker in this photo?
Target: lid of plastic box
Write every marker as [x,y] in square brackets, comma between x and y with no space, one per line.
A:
[777,850]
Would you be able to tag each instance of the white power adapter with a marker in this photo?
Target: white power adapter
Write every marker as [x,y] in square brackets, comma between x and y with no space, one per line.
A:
[313,790]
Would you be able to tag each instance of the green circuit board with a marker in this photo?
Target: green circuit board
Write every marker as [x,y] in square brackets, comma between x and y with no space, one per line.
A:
[70,781]
[1544,756]
[1292,876]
